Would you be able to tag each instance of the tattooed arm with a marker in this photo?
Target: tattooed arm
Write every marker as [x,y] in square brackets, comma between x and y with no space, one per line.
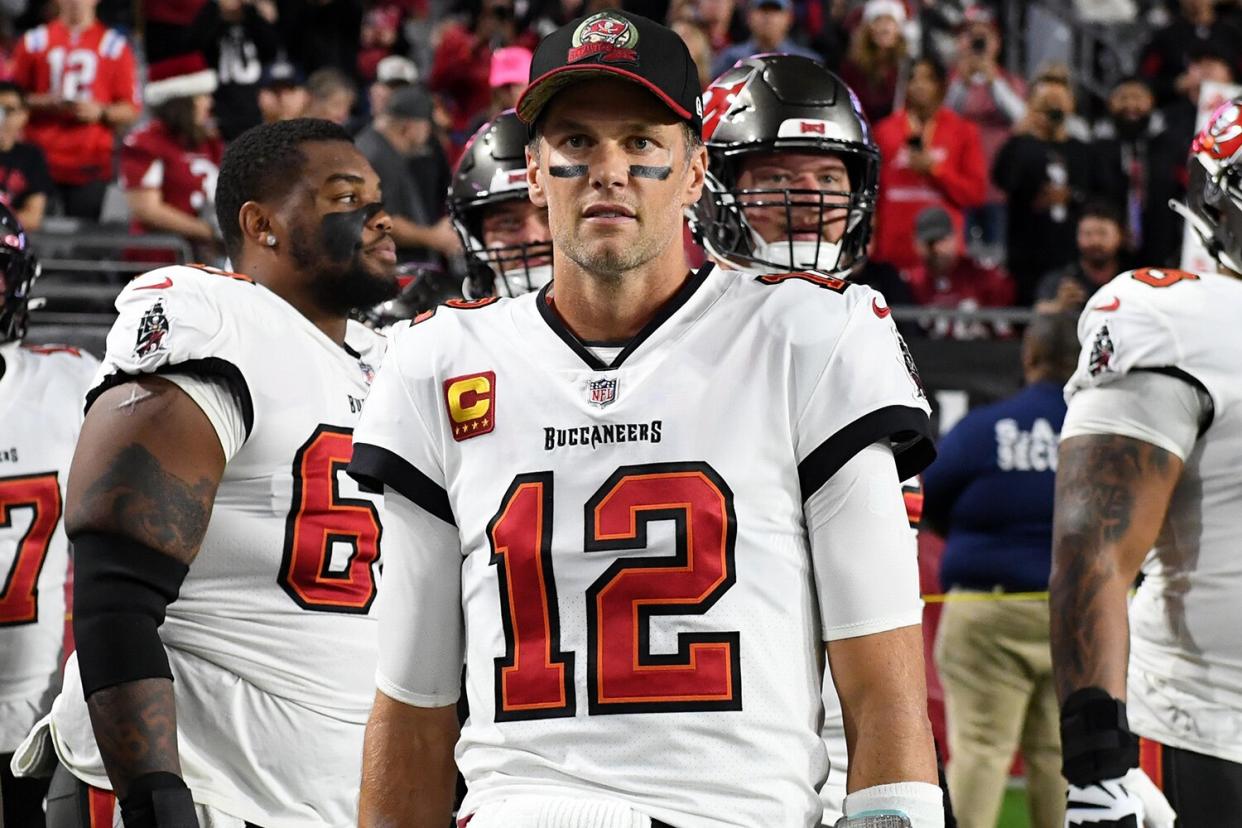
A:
[1112,493]
[146,468]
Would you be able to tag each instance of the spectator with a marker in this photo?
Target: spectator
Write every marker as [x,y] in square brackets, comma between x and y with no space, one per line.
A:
[1100,240]
[508,77]
[721,23]
[1182,114]
[1047,175]
[391,73]
[990,493]
[169,165]
[1167,59]
[463,60]
[700,48]
[877,57]
[241,38]
[380,33]
[930,156]
[948,278]
[398,133]
[82,91]
[769,22]
[1141,166]
[282,93]
[989,97]
[24,180]
[330,95]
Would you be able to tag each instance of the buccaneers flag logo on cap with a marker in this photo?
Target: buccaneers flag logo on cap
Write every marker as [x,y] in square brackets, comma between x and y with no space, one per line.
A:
[609,36]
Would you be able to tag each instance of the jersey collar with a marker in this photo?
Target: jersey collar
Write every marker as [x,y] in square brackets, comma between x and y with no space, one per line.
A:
[675,303]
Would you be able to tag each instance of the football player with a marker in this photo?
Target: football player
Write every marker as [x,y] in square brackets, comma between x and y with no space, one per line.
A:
[1147,481]
[217,541]
[791,185]
[505,236]
[634,502]
[41,389]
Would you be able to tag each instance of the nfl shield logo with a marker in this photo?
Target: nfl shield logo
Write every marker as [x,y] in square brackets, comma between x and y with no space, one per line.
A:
[601,392]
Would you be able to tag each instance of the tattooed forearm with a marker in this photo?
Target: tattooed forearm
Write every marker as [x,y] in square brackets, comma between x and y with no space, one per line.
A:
[1111,496]
[137,496]
[135,726]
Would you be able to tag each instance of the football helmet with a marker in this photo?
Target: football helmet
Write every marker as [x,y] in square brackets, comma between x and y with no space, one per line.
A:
[492,170]
[1213,206]
[770,104]
[19,268]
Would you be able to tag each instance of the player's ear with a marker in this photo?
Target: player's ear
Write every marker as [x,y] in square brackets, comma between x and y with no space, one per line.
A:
[695,176]
[534,180]
[255,223]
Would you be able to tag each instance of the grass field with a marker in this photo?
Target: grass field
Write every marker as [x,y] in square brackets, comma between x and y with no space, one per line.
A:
[1013,811]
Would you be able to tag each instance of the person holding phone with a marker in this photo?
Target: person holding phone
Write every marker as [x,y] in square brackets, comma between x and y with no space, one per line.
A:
[931,156]
[982,92]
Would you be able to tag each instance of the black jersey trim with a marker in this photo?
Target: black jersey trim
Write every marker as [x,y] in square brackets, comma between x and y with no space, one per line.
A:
[211,367]
[678,299]
[1177,373]
[375,466]
[907,427]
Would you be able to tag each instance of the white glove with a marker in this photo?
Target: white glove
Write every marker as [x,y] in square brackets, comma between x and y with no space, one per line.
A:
[1111,801]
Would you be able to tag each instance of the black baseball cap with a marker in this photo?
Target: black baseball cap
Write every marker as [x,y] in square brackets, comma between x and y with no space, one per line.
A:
[616,44]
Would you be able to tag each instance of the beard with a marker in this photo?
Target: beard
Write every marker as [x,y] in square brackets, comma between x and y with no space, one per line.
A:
[339,287]
[1097,258]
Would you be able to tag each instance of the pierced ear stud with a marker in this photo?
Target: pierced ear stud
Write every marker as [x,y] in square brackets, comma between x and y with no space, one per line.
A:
[269,240]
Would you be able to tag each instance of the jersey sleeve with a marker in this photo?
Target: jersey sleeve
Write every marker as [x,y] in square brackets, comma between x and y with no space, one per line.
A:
[1121,330]
[175,320]
[867,391]
[394,445]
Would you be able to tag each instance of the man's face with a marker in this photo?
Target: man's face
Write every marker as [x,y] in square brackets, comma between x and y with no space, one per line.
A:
[613,171]
[1046,97]
[14,116]
[1131,102]
[769,24]
[808,173]
[512,223]
[1098,240]
[938,255]
[924,89]
[333,107]
[339,235]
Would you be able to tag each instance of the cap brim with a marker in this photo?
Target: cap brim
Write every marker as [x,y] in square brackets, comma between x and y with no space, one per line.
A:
[537,95]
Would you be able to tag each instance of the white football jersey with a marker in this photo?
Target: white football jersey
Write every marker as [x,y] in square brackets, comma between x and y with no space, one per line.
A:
[639,596]
[41,393]
[1185,676]
[272,639]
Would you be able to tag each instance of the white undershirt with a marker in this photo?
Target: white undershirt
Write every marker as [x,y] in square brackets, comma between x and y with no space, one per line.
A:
[1164,411]
[221,406]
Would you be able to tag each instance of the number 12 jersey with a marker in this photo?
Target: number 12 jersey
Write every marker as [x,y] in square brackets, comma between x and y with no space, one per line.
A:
[641,610]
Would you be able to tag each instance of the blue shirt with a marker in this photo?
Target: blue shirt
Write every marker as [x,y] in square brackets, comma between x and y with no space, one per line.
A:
[738,51]
[991,489]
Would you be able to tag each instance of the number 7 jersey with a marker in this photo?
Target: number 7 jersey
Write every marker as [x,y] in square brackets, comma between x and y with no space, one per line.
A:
[640,605]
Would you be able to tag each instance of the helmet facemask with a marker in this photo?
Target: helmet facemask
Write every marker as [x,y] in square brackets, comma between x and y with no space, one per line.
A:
[727,216]
[504,269]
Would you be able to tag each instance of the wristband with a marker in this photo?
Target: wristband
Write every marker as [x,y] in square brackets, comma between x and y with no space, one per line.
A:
[1096,742]
[158,800]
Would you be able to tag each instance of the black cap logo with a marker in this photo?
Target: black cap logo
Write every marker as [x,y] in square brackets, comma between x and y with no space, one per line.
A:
[609,37]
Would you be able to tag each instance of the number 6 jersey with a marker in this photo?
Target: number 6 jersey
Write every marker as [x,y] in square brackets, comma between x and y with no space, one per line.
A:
[272,639]
[643,615]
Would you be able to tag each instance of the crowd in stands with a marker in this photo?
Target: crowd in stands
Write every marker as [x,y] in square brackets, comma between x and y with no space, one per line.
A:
[996,190]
